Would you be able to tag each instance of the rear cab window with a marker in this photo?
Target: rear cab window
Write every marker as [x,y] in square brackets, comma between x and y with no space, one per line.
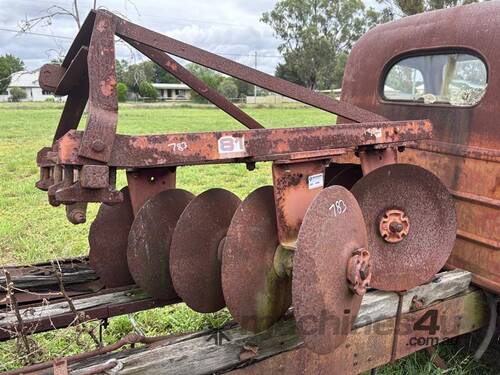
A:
[456,79]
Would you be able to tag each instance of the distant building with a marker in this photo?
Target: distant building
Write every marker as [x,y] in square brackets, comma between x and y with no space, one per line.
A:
[172,91]
[28,81]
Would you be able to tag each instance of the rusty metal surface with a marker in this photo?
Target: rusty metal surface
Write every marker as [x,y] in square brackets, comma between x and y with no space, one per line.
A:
[149,241]
[94,176]
[374,159]
[100,130]
[108,239]
[76,72]
[437,31]
[255,296]
[464,152]
[73,109]
[345,175]
[246,145]
[196,249]
[325,307]
[478,211]
[431,212]
[185,76]
[295,187]
[146,183]
[76,193]
[50,75]
[83,38]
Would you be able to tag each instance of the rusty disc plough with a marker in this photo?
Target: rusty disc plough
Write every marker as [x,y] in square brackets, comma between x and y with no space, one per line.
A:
[331,226]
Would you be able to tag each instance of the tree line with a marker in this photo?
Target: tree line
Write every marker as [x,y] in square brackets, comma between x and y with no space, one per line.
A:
[317,35]
[316,38]
[138,78]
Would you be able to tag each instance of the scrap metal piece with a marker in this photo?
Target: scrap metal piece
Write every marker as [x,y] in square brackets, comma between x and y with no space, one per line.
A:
[149,242]
[325,307]
[254,294]
[108,238]
[429,208]
[196,249]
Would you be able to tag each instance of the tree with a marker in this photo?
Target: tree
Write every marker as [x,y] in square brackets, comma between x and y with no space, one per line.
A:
[244,88]
[289,73]
[400,8]
[162,76]
[146,90]
[8,65]
[121,90]
[17,94]
[315,34]
[121,67]
[228,88]
[208,76]
[133,75]
[53,12]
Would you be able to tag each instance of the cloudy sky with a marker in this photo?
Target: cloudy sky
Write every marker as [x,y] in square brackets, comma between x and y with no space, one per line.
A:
[227,27]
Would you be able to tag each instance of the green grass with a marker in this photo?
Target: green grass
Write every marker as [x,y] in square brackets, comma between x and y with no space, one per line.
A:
[31,230]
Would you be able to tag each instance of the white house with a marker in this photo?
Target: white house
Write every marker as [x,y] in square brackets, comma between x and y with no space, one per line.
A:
[28,81]
[172,91]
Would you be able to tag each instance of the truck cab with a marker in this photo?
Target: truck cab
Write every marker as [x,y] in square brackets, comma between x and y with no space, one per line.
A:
[444,66]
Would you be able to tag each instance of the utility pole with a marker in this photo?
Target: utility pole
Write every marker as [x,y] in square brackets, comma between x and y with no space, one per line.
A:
[255,87]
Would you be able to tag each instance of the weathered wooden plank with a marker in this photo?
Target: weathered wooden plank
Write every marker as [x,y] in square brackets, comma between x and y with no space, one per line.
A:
[378,305]
[202,356]
[32,314]
[33,277]
[371,346]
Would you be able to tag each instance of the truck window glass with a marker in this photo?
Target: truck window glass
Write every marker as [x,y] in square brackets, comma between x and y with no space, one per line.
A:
[456,79]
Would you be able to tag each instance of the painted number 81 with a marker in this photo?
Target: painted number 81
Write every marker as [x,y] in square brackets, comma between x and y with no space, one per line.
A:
[230,144]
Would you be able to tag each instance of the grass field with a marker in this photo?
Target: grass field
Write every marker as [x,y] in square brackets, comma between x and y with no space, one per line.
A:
[31,230]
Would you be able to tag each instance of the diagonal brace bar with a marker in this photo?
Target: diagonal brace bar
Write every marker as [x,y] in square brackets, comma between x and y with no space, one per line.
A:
[181,73]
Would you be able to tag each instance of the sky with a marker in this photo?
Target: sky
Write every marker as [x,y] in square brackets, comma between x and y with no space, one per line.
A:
[231,28]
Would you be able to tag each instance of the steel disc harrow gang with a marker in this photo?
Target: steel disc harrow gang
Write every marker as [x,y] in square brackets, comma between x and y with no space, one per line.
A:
[315,240]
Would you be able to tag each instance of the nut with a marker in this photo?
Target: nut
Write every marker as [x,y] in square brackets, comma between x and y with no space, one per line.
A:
[359,271]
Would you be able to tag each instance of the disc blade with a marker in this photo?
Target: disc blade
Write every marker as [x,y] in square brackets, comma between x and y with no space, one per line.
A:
[254,294]
[108,238]
[195,267]
[430,211]
[324,305]
[149,242]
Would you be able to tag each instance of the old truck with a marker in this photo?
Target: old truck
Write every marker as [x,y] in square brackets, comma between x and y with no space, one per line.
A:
[381,232]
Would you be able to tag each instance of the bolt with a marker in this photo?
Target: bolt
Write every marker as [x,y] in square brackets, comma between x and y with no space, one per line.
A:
[98,145]
[359,271]
[79,218]
[250,166]
[395,227]
[363,271]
